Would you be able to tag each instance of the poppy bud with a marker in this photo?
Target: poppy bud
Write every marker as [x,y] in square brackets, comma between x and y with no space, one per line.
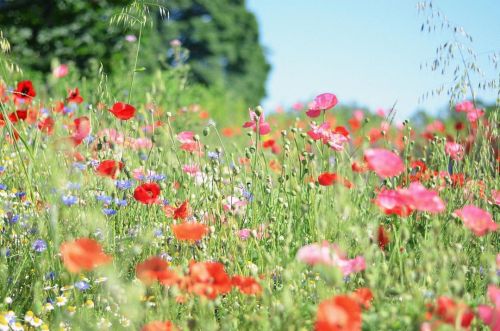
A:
[196,137]
[259,110]
[283,133]
[169,114]
[206,131]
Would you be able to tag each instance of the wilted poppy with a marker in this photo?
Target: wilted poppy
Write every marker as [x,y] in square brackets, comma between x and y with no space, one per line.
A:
[123,111]
[147,193]
[83,254]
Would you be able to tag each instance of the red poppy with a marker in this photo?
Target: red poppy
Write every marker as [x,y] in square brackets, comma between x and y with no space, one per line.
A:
[327,179]
[182,212]
[341,130]
[155,269]
[246,285]
[147,193]
[74,96]
[449,312]
[24,91]
[190,231]
[159,326]
[123,111]
[208,279]
[363,297]
[109,168]
[46,125]
[18,115]
[83,254]
[81,129]
[341,313]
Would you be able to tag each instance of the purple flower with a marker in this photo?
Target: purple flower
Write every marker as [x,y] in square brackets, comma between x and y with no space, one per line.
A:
[108,211]
[39,246]
[69,200]
[82,285]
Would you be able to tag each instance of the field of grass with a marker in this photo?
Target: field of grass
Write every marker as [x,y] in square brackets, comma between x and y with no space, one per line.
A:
[146,203]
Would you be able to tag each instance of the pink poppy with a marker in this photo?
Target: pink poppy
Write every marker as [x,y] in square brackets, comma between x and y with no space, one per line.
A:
[191,169]
[264,127]
[490,315]
[322,102]
[454,150]
[495,195]
[330,255]
[383,162]
[113,136]
[380,112]
[474,115]
[185,137]
[422,199]
[60,71]
[392,202]
[142,143]
[464,106]
[477,220]
[319,132]
[336,141]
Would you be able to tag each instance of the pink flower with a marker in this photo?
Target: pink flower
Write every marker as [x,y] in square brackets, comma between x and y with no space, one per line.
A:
[319,132]
[112,135]
[422,199]
[495,195]
[298,106]
[454,150]
[383,162]
[477,220]
[490,315]
[191,169]
[474,115]
[264,127]
[244,234]
[330,255]
[380,112]
[393,202]
[464,106]
[142,143]
[336,141]
[333,139]
[60,71]
[322,102]
[185,137]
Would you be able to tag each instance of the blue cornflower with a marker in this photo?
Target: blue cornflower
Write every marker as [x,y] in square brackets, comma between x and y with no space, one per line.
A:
[67,110]
[2,169]
[158,233]
[39,246]
[12,218]
[213,155]
[109,211]
[82,285]
[105,199]
[247,195]
[156,177]
[50,276]
[121,203]
[94,163]
[88,139]
[20,194]
[69,200]
[123,184]
[3,186]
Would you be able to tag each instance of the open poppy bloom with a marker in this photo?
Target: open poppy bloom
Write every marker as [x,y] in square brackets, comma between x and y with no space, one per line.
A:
[109,168]
[246,285]
[74,96]
[327,179]
[81,129]
[123,111]
[159,326]
[330,255]
[383,162]
[189,231]
[182,212]
[490,315]
[477,220]
[147,193]
[258,124]
[322,102]
[208,279]
[340,313]
[24,91]
[155,269]
[454,150]
[83,254]
[363,297]
[452,313]
[46,125]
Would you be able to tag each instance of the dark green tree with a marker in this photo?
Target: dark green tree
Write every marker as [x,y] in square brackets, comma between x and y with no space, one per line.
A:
[221,36]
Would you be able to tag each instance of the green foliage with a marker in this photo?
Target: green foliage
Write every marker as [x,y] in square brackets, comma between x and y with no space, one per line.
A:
[221,36]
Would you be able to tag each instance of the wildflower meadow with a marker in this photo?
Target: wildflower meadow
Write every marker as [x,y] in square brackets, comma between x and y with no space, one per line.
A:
[139,201]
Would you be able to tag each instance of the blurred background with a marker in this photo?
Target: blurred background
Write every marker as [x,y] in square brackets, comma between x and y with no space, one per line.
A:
[410,55]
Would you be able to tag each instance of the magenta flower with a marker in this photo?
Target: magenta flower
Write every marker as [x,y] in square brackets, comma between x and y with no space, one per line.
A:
[421,199]
[490,315]
[330,255]
[477,220]
[333,139]
[264,127]
[322,102]
[60,71]
[383,162]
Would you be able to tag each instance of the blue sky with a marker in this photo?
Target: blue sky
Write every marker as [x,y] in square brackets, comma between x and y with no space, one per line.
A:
[368,52]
